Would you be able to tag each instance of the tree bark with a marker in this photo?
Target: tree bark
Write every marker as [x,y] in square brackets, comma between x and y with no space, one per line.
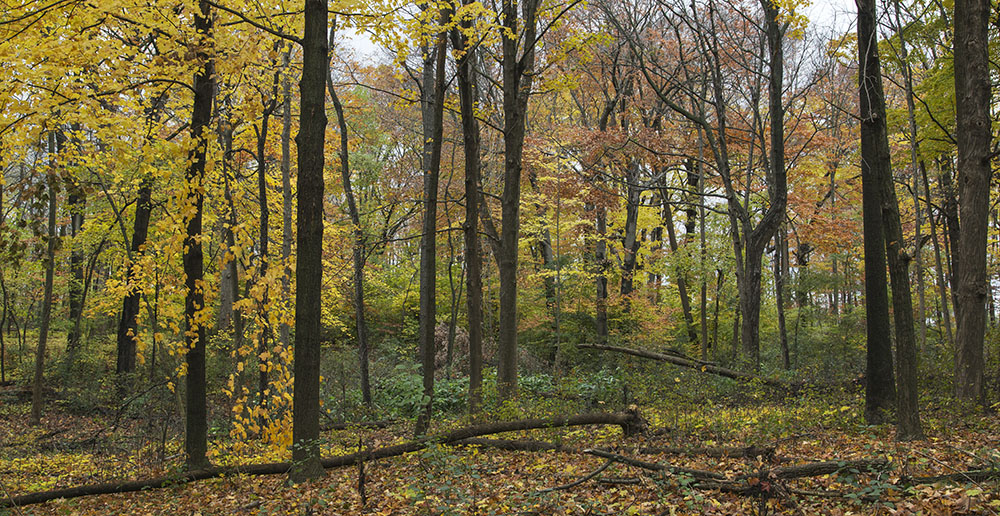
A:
[286,188]
[50,265]
[473,252]
[196,416]
[974,135]
[880,387]
[128,324]
[518,72]
[77,204]
[309,260]
[358,249]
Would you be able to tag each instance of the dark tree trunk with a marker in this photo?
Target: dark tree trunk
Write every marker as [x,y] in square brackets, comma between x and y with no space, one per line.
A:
[434,133]
[630,238]
[286,188]
[518,72]
[309,260]
[682,284]
[358,249]
[780,255]
[974,135]
[473,252]
[196,417]
[907,418]
[953,229]
[263,316]
[77,203]
[128,324]
[601,259]
[50,265]
[880,387]
[938,264]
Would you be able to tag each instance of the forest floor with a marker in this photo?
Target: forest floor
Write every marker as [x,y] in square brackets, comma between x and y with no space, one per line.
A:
[68,450]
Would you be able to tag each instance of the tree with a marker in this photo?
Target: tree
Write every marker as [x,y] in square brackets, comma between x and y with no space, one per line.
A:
[127,324]
[432,109]
[309,238]
[518,61]
[196,416]
[974,135]
[880,389]
[473,253]
[50,265]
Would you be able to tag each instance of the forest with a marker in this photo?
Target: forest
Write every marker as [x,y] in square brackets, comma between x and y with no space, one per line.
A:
[498,257]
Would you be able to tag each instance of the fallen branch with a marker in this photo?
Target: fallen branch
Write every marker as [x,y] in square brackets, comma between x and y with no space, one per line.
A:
[579,481]
[815,469]
[719,452]
[653,466]
[695,364]
[630,421]
[528,445]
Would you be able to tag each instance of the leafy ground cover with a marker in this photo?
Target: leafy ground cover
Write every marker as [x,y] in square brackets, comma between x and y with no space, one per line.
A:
[69,449]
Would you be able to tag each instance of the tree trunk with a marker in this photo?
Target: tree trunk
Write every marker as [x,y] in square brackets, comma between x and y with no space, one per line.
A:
[879,386]
[196,417]
[473,253]
[50,265]
[630,239]
[953,230]
[682,290]
[938,264]
[433,133]
[601,259]
[286,188]
[358,249]
[263,316]
[309,260]
[518,73]
[128,324]
[780,247]
[972,94]
[77,205]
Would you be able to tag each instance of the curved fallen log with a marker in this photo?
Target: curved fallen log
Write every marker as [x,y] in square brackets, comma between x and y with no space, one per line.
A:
[696,364]
[631,423]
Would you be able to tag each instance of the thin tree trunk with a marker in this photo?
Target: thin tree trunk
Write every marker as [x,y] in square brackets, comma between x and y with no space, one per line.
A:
[358,249]
[434,133]
[265,216]
[473,252]
[682,290]
[630,238]
[601,259]
[127,324]
[50,255]
[780,242]
[309,259]
[77,204]
[286,188]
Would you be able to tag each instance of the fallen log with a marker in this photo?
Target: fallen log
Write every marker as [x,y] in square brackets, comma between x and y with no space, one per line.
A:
[716,452]
[631,422]
[695,364]
[653,466]
[528,445]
